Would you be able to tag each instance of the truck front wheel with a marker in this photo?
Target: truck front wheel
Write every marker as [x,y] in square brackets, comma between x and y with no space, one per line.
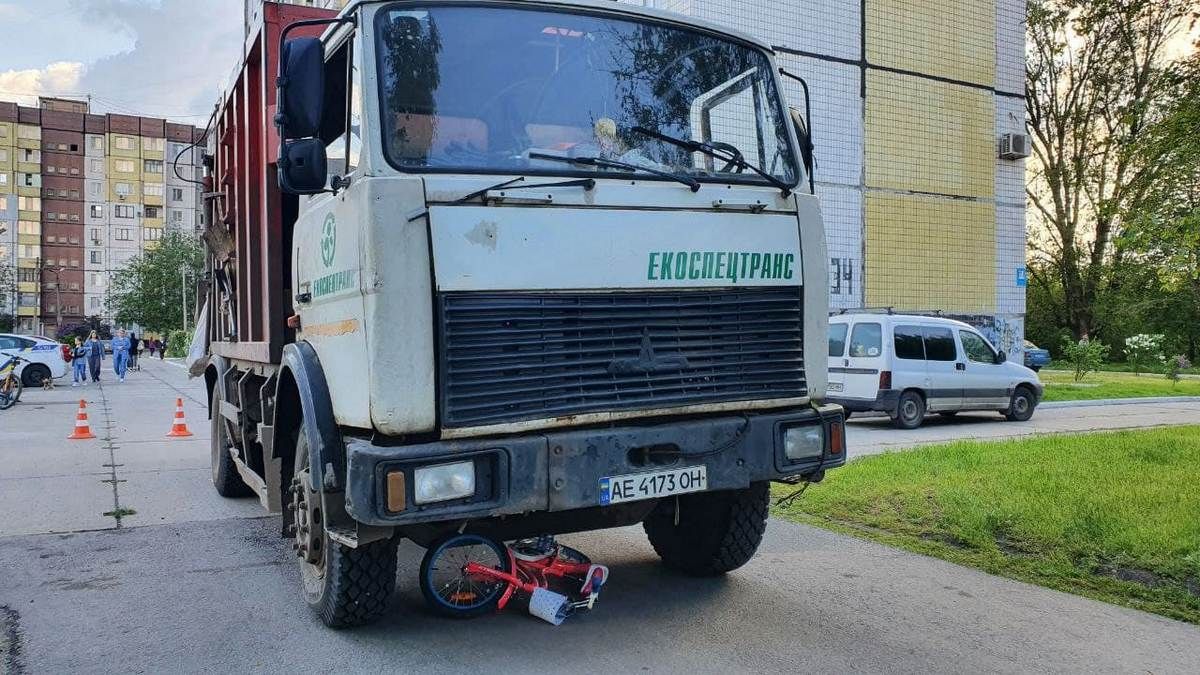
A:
[709,533]
[345,586]
[225,475]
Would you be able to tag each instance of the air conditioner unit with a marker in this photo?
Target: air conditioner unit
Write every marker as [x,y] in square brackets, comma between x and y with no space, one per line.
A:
[1014,146]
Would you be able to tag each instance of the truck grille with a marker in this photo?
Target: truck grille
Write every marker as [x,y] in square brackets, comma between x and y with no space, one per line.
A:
[507,357]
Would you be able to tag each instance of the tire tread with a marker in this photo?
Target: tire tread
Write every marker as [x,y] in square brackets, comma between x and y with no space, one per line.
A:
[717,532]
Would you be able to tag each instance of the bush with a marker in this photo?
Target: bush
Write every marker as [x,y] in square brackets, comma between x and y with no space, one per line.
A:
[1141,350]
[1084,356]
[178,342]
[1175,366]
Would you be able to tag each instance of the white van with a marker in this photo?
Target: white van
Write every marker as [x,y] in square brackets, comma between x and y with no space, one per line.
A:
[907,366]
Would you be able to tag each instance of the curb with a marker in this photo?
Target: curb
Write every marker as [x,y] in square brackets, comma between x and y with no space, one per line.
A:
[1144,400]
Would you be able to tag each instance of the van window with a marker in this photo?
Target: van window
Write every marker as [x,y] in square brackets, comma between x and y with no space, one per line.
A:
[837,338]
[976,348]
[866,340]
[910,343]
[939,344]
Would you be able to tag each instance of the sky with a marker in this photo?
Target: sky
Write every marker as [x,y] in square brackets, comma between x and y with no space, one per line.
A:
[162,58]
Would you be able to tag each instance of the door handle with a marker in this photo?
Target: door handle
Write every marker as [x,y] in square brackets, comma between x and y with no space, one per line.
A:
[304,298]
[960,366]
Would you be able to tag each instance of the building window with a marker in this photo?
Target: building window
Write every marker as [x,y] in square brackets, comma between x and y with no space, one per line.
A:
[176,194]
[96,211]
[3,178]
[122,189]
[29,132]
[27,275]
[74,171]
[27,227]
[97,166]
[95,235]
[94,189]
[123,211]
[152,166]
[3,155]
[3,203]
[123,165]
[97,142]
[27,179]
[94,302]
[96,258]
[152,189]
[176,216]
[153,212]
[151,233]
[29,203]
[74,286]
[123,143]
[123,234]
[31,155]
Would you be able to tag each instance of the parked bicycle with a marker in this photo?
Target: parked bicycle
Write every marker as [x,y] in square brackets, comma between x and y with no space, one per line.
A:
[10,384]
[467,575]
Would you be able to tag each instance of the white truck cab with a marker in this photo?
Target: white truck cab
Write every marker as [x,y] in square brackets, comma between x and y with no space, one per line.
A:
[909,365]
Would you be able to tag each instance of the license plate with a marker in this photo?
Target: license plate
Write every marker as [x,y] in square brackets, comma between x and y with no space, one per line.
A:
[834,386]
[634,486]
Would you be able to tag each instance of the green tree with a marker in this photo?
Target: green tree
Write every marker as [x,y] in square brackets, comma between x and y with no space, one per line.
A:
[1098,75]
[149,290]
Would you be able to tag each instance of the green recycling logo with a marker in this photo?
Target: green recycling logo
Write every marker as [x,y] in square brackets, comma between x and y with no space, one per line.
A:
[328,240]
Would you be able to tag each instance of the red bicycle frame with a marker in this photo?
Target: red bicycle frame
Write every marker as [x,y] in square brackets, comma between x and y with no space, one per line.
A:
[532,574]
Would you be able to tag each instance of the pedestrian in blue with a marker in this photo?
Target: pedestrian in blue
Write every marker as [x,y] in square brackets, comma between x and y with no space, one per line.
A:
[78,364]
[120,347]
[95,354]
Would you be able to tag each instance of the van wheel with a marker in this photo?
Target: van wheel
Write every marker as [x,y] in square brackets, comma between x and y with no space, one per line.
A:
[709,533]
[910,411]
[1021,407]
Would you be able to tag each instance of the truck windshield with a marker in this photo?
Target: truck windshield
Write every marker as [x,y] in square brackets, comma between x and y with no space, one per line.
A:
[481,89]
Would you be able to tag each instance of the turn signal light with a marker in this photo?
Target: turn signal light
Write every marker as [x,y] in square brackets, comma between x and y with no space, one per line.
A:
[837,438]
[395,492]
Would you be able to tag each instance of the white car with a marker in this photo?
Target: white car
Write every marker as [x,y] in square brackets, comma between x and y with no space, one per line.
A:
[46,357]
[907,366]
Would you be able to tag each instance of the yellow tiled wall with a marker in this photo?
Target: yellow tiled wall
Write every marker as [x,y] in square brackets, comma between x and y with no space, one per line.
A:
[929,136]
[930,253]
[945,38]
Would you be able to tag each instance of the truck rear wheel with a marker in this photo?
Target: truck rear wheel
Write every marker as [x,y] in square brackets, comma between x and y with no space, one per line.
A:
[225,476]
[709,533]
[345,586]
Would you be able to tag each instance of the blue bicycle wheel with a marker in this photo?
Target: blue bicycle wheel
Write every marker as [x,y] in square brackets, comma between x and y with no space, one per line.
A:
[448,589]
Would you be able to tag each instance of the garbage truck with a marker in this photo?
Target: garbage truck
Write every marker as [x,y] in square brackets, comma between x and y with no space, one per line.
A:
[514,269]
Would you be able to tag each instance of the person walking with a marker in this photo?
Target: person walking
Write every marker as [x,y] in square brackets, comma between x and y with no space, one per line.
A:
[78,363]
[95,354]
[120,347]
[133,351]
[162,348]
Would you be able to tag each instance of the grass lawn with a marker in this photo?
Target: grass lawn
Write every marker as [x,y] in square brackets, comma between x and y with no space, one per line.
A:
[1061,386]
[1113,516]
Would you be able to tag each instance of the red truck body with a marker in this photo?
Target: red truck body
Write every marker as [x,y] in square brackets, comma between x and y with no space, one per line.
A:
[245,208]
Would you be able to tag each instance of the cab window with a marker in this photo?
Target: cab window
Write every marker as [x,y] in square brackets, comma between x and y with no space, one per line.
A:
[866,340]
[837,339]
[909,343]
[976,348]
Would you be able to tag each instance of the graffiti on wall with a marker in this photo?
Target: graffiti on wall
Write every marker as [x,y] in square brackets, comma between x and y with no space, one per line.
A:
[842,272]
[1006,334]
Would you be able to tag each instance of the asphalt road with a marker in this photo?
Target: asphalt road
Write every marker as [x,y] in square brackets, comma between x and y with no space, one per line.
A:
[190,582]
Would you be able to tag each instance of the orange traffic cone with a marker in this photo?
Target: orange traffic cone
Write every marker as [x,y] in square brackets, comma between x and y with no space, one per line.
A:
[179,428]
[82,430]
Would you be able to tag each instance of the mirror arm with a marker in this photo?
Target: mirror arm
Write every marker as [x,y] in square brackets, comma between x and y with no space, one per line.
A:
[808,122]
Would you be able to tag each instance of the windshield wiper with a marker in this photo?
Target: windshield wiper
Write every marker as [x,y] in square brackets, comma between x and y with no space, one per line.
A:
[734,157]
[615,164]
[586,183]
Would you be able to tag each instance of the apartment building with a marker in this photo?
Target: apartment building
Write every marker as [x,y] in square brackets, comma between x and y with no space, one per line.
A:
[918,113]
[80,195]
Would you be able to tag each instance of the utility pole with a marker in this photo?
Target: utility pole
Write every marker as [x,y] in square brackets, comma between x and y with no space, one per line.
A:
[183,292]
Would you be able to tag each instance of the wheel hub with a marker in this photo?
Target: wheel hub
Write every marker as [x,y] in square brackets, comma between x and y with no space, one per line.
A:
[307,529]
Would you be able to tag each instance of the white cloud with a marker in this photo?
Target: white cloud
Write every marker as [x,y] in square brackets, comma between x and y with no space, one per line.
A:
[60,77]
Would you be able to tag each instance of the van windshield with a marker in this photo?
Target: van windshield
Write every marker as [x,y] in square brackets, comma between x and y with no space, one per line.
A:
[478,89]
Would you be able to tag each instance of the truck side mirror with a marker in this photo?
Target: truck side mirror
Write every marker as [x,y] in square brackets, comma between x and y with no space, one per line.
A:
[805,137]
[303,166]
[301,88]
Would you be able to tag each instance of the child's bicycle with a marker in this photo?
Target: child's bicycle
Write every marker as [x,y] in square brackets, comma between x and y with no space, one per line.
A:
[468,575]
[10,384]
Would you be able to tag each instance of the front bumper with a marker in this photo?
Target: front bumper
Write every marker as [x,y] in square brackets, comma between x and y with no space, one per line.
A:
[561,470]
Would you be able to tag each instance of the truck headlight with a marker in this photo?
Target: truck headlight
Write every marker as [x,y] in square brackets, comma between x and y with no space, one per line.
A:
[444,481]
[804,442]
